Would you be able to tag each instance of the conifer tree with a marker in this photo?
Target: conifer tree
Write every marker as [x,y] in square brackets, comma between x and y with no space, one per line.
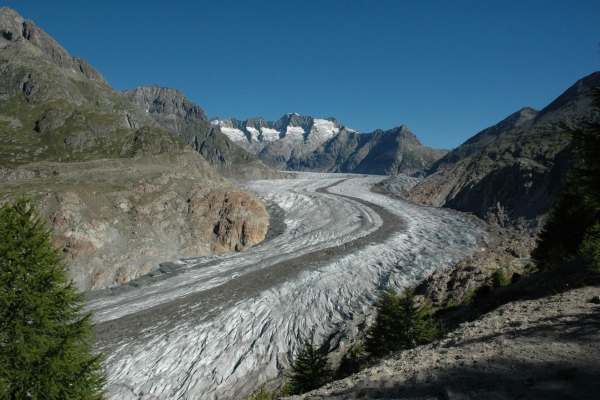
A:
[384,337]
[400,324]
[44,338]
[311,368]
[573,226]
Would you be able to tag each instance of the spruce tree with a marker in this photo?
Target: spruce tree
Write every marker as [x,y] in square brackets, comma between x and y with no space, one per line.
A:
[400,324]
[45,348]
[311,368]
[384,337]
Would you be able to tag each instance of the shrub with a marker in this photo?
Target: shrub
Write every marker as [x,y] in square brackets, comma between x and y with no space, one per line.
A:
[264,394]
[499,279]
[352,362]
[590,248]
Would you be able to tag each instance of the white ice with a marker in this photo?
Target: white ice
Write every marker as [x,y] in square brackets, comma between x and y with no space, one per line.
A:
[269,134]
[294,132]
[253,132]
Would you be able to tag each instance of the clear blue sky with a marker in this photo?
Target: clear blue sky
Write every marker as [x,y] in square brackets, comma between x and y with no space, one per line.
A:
[446,69]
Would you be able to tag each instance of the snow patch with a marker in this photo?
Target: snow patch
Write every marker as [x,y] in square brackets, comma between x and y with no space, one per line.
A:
[234,134]
[253,132]
[324,129]
[294,132]
[269,135]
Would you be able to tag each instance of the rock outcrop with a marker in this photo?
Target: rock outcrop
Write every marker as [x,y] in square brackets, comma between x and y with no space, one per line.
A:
[511,173]
[186,120]
[13,27]
[120,193]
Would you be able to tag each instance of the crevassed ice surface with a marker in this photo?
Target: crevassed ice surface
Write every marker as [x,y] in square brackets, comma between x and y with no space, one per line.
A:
[241,345]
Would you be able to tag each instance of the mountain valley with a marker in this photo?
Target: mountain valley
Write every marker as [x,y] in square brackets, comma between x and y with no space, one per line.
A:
[209,249]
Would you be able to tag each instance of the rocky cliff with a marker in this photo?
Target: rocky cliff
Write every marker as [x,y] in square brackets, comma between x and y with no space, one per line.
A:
[511,173]
[119,192]
[177,114]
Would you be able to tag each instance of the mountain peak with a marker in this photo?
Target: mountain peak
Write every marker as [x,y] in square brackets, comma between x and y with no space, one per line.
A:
[13,27]
[11,24]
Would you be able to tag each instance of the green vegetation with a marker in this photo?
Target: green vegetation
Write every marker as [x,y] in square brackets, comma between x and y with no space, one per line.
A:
[573,227]
[45,351]
[311,368]
[400,324]
[264,394]
[499,279]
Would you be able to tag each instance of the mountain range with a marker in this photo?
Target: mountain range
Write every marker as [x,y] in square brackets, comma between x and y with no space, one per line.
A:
[303,143]
[64,132]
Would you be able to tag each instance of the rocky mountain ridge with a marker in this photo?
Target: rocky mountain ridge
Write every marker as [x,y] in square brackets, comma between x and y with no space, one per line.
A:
[301,143]
[511,173]
[177,114]
[119,192]
[276,142]
[13,27]
[381,152]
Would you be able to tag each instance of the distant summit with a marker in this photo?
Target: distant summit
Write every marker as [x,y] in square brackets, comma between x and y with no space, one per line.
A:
[277,142]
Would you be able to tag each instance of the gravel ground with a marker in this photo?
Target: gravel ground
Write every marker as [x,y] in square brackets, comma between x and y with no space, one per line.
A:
[546,348]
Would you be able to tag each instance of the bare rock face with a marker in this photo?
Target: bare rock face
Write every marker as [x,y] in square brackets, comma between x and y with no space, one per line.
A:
[116,220]
[13,27]
[452,285]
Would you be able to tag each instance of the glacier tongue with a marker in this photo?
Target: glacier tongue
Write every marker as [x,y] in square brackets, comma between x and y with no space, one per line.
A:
[231,322]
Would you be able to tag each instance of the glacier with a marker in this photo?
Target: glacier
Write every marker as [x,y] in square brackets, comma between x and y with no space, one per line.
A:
[227,323]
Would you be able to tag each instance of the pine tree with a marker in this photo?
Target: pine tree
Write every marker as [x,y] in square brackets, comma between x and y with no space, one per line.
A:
[44,338]
[573,226]
[311,368]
